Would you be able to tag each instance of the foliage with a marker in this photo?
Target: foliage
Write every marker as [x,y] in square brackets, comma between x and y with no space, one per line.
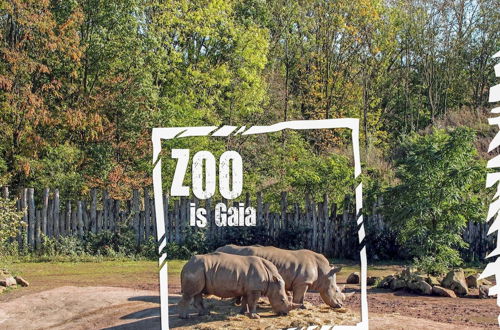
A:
[438,193]
[10,219]
[99,75]
[83,82]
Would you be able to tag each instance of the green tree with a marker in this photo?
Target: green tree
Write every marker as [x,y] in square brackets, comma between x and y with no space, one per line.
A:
[441,177]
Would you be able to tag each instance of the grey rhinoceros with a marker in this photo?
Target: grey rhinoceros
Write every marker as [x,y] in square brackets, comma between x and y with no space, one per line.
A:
[228,276]
[301,270]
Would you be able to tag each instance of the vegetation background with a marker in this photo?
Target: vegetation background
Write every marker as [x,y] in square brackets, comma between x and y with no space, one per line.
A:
[82,82]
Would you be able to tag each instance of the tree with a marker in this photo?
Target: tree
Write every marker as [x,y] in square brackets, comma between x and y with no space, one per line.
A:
[441,177]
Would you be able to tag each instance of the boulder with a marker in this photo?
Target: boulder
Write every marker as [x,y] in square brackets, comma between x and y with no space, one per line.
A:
[483,292]
[411,275]
[472,281]
[421,287]
[484,282]
[407,272]
[353,278]
[386,282]
[21,281]
[433,281]
[372,280]
[455,280]
[8,281]
[440,291]
[397,284]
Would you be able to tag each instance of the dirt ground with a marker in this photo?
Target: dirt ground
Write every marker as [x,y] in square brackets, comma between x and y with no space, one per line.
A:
[67,297]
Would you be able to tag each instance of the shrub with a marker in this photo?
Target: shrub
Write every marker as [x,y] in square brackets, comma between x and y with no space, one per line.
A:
[10,219]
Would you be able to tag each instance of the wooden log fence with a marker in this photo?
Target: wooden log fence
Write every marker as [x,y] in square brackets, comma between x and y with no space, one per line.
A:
[320,226]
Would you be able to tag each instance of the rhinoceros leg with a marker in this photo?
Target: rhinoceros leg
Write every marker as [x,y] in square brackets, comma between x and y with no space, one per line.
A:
[198,304]
[252,299]
[298,294]
[192,285]
[184,305]
[244,305]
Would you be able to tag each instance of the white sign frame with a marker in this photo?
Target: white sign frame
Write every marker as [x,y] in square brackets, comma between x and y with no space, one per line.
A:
[169,133]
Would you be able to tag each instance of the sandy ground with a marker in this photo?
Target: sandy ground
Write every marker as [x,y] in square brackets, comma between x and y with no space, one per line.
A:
[67,296]
[71,307]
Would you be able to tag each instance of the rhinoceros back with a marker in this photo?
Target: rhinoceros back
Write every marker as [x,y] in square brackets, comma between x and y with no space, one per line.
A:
[294,266]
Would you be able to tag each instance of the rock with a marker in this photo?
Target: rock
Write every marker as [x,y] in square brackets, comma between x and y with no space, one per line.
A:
[2,289]
[421,287]
[407,272]
[433,281]
[353,278]
[21,281]
[411,275]
[472,281]
[455,280]
[386,282]
[371,280]
[485,282]
[397,284]
[483,292]
[8,281]
[440,291]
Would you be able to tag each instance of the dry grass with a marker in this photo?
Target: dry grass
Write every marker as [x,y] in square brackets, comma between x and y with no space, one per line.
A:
[224,314]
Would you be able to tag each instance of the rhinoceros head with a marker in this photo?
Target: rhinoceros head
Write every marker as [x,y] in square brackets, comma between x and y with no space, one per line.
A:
[330,292]
[277,296]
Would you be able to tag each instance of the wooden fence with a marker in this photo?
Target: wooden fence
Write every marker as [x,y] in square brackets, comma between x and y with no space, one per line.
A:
[328,230]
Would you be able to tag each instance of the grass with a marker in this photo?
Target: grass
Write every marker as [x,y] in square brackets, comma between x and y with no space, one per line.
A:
[141,274]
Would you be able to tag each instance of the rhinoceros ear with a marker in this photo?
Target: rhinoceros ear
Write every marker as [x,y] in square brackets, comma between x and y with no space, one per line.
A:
[334,271]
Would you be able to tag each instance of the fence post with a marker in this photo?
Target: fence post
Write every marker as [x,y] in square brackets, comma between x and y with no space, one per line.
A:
[147,213]
[326,222]
[135,208]
[116,217]
[45,207]
[67,221]
[168,227]
[58,228]
[37,229]
[182,220]
[79,216]
[19,205]
[74,220]
[175,219]
[210,223]
[283,210]
[153,218]
[105,218]
[31,218]
[314,213]
[93,210]
[343,228]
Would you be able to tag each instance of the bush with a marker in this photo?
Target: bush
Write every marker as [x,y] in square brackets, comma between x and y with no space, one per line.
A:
[10,219]
[70,246]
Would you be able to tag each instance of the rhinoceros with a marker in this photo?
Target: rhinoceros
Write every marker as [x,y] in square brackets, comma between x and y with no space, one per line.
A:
[227,276]
[301,270]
